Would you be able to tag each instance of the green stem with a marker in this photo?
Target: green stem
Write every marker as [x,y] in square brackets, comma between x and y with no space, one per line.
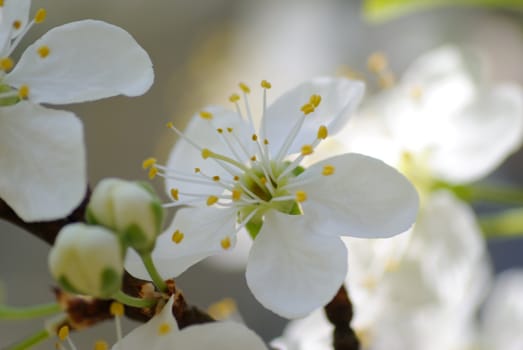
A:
[483,193]
[508,223]
[153,272]
[31,341]
[34,311]
[132,301]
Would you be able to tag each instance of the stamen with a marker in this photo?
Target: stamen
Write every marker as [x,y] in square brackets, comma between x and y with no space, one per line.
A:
[153,172]
[149,162]
[206,115]
[207,153]
[174,194]
[40,16]
[101,345]
[23,92]
[301,196]
[164,329]
[6,64]
[225,243]
[17,24]
[254,137]
[323,132]
[253,158]
[236,194]
[177,236]
[265,84]
[234,98]
[43,51]
[117,310]
[307,108]
[306,150]
[377,62]
[1,3]
[416,93]
[328,170]
[212,200]
[315,100]
[63,332]
[246,89]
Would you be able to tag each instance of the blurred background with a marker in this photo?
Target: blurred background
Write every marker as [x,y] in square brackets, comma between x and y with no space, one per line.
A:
[201,50]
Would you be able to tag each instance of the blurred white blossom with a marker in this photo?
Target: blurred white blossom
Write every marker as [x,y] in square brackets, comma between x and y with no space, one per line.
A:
[42,156]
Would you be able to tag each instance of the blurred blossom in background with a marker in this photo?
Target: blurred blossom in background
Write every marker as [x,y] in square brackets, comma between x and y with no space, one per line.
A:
[200,51]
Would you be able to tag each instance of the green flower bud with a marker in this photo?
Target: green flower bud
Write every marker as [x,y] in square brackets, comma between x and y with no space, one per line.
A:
[131,209]
[87,260]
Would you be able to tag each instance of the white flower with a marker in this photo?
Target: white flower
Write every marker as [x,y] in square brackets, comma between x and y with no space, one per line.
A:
[444,115]
[162,333]
[131,209]
[87,260]
[42,154]
[251,178]
[502,317]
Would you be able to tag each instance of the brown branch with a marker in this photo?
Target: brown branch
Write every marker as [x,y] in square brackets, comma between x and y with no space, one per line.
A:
[84,312]
[339,313]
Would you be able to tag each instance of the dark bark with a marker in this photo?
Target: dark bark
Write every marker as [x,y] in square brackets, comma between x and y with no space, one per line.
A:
[339,313]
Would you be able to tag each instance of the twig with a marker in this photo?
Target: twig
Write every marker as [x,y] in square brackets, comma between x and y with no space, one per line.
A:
[339,313]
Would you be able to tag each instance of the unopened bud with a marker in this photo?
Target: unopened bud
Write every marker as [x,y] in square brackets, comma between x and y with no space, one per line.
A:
[87,260]
[131,209]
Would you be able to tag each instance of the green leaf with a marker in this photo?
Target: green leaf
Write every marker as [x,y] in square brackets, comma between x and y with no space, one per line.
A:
[382,10]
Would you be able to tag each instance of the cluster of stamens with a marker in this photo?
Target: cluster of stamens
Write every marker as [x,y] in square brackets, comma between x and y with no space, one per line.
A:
[9,95]
[258,182]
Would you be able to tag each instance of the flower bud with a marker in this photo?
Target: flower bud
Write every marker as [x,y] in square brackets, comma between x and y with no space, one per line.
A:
[87,260]
[132,209]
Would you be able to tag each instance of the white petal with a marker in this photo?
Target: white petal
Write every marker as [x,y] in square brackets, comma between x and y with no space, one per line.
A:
[464,155]
[42,161]
[185,158]
[339,98]
[219,336]
[363,198]
[292,269]
[503,313]
[313,332]
[203,230]
[147,335]
[88,60]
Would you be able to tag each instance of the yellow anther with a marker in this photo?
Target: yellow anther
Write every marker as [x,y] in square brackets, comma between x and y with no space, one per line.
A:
[116,309]
[387,80]
[40,15]
[225,243]
[265,142]
[206,153]
[229,129]
[263,180]
[328,170]
[253,158]
[23,92]
[216,178]
[236,195]
[6,64]
[265,84]
[244,88]
[307,108]
[17,24]
[43,51]
[1,3]
[234,98]
[169,125]
[164,329]
[301,196]
[177,236]
[416,93]
[315,100]
[220,130]
[323,132]
[63,332]
[206,115]
[377,62]
[306,150]
[236,178]
[254,137]
[222,309]
[149,162]
[392,265]
[212,200]
[153,171]
[101,345]
[197,170]
[174,193]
